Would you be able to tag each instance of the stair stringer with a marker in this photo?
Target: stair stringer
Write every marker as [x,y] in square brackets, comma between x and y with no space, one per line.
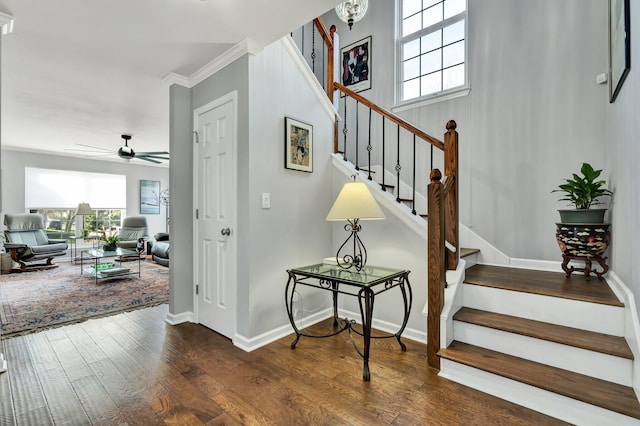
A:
[631,323]
[550,403]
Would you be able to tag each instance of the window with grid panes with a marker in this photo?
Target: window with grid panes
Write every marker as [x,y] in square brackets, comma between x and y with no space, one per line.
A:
[433,46]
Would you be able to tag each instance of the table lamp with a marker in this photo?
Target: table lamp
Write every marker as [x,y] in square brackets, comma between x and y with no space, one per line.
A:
[354,203]
[83,210]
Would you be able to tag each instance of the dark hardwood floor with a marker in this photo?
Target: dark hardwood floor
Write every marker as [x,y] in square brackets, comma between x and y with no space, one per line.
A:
[134,369]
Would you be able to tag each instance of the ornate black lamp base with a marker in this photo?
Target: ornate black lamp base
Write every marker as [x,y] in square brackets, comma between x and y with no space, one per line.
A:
[587,265]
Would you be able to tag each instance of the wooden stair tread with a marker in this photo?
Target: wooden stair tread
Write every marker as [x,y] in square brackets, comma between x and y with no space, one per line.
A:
[589,340]
[554,284]
[464,252]
[608,395]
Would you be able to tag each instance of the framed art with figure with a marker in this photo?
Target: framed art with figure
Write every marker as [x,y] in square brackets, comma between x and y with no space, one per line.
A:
[619,46]
[298,140]
[149,197]
[356,65]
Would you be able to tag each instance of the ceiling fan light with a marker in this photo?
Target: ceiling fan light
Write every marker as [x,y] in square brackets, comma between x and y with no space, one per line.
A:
[351,11]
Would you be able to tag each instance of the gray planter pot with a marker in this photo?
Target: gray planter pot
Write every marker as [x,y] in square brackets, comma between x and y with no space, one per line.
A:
[582,215]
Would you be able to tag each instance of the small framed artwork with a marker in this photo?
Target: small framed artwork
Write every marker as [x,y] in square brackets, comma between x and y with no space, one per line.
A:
[356,65]
[149,197]
[298,145]
[619,45]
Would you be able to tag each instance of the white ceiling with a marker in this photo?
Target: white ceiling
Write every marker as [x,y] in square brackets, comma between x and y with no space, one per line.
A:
[86,71]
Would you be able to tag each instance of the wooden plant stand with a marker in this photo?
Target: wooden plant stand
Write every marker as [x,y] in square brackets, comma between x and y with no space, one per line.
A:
[587,265]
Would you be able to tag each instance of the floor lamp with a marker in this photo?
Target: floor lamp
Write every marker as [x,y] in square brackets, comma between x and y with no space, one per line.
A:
[84,209]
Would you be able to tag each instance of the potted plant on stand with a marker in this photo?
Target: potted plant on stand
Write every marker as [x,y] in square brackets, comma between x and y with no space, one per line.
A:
[581,233]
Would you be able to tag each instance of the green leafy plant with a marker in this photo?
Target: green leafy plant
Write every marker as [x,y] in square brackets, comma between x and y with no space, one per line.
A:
[112,239]
[584,191]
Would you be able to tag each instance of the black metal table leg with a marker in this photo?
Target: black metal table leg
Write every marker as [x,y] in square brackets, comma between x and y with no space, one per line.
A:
[288,301]
[366,298]
[408,300]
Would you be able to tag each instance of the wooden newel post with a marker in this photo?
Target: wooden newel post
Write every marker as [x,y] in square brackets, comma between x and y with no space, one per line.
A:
[451,197]
[436,265]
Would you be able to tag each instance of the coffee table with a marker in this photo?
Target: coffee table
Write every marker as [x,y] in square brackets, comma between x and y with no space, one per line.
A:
[101,270]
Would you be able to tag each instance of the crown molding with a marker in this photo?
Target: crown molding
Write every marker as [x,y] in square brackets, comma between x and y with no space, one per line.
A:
[246,46]
[6,23]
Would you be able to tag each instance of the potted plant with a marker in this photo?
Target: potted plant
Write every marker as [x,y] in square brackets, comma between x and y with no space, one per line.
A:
[111,242]
[583,192]
[582,234]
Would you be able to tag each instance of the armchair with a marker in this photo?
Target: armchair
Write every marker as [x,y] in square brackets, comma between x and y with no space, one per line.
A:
[133,228]
[27,241]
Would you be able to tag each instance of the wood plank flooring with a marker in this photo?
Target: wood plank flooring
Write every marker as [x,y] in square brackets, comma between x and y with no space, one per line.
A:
[554,284]
[134,369]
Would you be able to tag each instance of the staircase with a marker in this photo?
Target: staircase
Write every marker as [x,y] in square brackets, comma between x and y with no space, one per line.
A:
[545,342]
[534,338]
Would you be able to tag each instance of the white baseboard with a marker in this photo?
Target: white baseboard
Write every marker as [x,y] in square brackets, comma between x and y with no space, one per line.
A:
[175,319]
[253,343]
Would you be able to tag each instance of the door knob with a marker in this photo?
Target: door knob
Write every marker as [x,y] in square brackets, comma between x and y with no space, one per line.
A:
[225,231]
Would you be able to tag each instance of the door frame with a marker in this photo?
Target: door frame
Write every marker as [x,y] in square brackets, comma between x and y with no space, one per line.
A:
[229,97]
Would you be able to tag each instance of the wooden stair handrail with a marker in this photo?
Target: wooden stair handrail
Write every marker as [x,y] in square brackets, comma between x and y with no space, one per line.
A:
[389,115]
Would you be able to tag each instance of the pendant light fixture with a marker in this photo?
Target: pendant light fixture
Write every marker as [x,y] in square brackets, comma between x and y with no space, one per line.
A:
[351,11]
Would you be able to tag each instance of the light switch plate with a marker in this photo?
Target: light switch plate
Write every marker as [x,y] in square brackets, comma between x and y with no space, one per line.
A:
[266,200]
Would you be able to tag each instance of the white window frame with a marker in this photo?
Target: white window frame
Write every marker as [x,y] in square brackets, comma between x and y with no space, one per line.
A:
[442,95]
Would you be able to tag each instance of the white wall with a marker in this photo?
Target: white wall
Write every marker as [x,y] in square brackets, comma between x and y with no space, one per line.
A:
[13,174]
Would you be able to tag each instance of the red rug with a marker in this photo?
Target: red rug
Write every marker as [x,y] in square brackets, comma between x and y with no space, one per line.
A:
[32,301]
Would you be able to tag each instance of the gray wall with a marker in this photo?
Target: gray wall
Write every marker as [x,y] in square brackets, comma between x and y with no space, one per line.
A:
[622,131]
[14,163]
[533,115]
[181,148]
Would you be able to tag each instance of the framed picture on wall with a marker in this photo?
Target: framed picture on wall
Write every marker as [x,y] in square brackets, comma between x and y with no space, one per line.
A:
[298,145]
[149,197]
[356,65]
[619,45]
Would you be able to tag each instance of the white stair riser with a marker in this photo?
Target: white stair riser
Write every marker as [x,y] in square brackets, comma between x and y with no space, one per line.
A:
[471,260]
[552,404]
[590,363]
[571,313]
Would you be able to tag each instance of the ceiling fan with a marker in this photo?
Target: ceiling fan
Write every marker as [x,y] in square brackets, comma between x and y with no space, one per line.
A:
[125,152]
[128,153]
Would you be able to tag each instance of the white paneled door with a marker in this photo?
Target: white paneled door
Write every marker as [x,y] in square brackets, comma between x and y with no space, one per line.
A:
[215,201]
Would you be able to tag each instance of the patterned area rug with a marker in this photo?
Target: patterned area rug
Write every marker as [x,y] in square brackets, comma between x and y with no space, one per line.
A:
[37,300]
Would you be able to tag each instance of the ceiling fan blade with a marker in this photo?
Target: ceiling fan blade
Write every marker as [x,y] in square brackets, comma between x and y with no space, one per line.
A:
[148,159]
[153,153]
[157,157]
[97,148]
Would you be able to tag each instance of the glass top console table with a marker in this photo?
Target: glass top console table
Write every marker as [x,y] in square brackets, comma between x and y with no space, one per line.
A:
[365,286]
[100,270]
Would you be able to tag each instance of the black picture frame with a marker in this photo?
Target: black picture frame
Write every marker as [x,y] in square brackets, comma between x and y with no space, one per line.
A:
[149,197]
[619,45]
[356,65]
[298,145]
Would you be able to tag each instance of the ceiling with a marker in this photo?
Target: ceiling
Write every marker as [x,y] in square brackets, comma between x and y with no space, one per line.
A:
[86,71]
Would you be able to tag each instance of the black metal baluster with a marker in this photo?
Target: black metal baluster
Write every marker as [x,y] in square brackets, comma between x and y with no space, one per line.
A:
[431,159]
[313,48]
[302,41]
[413,202]
[384,187]
[398,167]
[345,130]
[357,135]
[369,147]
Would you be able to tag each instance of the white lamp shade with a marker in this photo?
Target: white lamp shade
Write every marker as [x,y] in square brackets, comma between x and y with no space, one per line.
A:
[355,202]
[84,209]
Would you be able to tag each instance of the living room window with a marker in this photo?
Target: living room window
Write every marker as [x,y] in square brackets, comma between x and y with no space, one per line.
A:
[56,194]
[432,51]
